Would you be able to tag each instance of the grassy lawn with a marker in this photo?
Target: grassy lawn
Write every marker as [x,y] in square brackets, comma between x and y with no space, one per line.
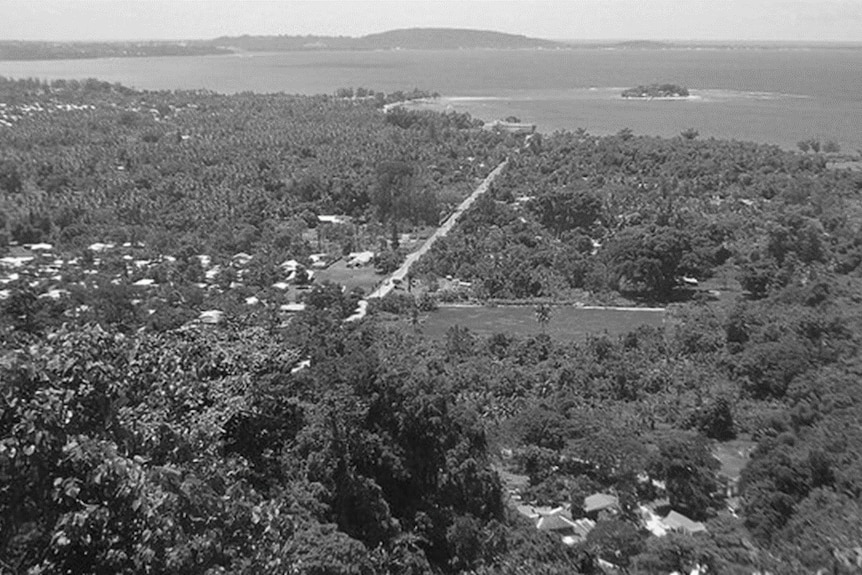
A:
[570,322]
[733,455]
[363,277]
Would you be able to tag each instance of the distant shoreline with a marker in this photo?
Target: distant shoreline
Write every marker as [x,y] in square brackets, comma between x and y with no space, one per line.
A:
[651,98]
[541,87]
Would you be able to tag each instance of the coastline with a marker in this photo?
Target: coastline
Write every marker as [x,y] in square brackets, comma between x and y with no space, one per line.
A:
[602,111]
[671,98]
[728,106]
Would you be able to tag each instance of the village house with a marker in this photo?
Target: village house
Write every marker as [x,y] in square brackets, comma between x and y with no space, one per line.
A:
[511,127]
[359,259]
[678,522]
[558,520]
[673,521]
[599,505]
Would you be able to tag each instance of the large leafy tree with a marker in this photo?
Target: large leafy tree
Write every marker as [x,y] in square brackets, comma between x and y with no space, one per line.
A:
[109,455]
[649,258]
[567,209]
[823,532]
[686,464]
[395,180]
[615,541]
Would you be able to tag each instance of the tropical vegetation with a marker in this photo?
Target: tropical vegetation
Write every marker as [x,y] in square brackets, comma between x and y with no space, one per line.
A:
[136,438]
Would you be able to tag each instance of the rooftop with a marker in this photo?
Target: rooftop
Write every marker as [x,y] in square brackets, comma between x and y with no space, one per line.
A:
[679,522]
[599,501]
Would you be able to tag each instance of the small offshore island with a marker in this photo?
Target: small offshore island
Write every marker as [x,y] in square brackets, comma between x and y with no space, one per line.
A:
[657,91]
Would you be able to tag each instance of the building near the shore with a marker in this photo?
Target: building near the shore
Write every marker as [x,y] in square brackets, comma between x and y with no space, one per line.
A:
[511,127]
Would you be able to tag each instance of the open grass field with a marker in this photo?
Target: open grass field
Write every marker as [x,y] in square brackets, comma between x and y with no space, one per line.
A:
[733,455]
[566,323]
[362,277]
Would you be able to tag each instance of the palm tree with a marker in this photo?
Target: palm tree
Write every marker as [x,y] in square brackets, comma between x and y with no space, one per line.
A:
[543,315]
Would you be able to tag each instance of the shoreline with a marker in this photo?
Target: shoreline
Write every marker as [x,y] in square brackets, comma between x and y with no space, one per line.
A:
[491,108]
[669,98]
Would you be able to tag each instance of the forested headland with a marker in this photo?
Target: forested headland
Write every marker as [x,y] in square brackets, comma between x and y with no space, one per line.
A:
[44,50]
[134,437]
[405,39]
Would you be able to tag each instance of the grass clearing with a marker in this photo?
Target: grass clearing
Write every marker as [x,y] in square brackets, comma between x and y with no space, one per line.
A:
[566,322]
[733,455]
[363,277]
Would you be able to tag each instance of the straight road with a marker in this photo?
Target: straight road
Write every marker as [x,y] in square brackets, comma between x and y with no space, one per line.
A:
[398,275]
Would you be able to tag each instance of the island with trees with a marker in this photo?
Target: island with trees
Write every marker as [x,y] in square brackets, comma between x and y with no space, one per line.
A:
[166,406]
[654,91]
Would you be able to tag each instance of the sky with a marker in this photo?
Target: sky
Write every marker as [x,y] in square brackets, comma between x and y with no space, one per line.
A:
[750,20]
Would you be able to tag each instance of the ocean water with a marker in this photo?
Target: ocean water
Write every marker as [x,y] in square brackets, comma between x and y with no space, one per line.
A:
[771,95]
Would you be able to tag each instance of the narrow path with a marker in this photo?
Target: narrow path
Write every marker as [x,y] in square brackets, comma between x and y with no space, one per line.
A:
[388,284]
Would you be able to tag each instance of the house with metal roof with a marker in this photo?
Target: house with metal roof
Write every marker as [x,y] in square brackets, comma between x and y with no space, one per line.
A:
[598,502]
[679,522]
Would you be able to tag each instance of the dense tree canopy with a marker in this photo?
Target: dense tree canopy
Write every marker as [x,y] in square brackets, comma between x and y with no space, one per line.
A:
[589,211]
[134,439]
[92,161]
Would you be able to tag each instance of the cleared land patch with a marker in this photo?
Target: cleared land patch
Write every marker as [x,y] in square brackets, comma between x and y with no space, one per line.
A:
[566,322]
[362,277]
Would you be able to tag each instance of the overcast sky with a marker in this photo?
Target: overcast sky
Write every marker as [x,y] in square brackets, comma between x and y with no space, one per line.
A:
[799,20]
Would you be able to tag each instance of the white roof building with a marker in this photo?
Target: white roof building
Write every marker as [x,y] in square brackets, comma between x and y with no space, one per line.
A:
[333,219]
[355,259]
[212,316]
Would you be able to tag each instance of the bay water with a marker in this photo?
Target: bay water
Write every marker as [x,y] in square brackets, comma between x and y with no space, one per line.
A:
[773,95]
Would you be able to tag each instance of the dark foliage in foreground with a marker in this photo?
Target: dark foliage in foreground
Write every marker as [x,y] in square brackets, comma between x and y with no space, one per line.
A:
[207,448]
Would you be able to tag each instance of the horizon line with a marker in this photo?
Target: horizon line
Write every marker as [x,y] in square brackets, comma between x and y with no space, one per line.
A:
[560,40]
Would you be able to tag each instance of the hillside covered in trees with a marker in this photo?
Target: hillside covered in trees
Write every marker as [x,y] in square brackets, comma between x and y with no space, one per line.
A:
[312,444]
[406,39]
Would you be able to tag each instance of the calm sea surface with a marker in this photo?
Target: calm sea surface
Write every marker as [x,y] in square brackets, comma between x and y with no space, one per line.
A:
[777,96]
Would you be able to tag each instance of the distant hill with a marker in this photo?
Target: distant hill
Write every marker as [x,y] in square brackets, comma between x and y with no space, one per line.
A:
[449,39]
[406,39]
